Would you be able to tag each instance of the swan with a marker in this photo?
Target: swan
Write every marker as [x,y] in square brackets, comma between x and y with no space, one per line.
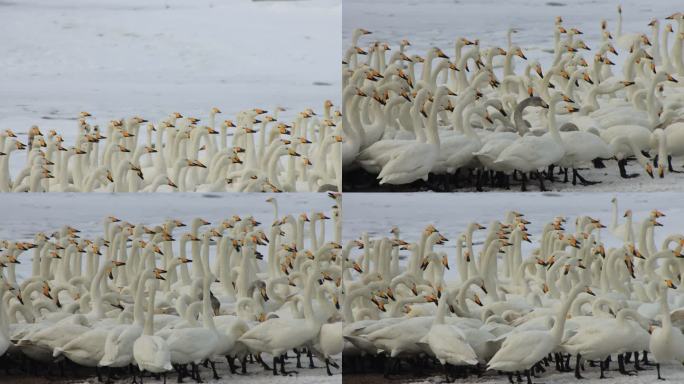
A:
[667,342]
[276,336]
[448,342]
[417,161]
[151,353]
[623,231]
[521,350]
[118,347]
[600,338]
[532,153]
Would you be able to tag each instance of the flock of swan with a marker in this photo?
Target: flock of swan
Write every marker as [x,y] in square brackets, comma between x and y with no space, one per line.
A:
[566,302]
[170,297]
[181,153]
[468,118]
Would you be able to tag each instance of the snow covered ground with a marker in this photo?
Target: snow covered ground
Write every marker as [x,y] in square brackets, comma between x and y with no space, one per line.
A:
[150,58]
[440,22]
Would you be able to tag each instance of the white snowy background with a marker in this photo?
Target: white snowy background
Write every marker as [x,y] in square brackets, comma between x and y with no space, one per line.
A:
[119,58]
[428,23]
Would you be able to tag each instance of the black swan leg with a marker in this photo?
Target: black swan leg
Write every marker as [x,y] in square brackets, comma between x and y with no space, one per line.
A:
[582,180]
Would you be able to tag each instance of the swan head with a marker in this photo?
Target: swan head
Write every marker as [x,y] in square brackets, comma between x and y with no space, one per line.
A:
[670,284]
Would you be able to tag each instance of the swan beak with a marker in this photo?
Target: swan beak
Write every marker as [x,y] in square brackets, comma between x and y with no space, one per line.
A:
[670,284]
[445,262]
[649,170]
[672,79]
[357,267]
[390,294]
[477,300]
[520,54]
[661,171]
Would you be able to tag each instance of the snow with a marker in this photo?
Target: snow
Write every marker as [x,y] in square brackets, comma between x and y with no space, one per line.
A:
[440,22]
[122,58]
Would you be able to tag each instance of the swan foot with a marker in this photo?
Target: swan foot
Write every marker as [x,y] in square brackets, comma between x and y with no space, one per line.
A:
[578,364]
[542,187]
[282,368]
[231,365]
[598,163]
[658,369]
[669,165]
[196,373]
[263,363]
[623,171]
[550,175]
[311,362]
[299,360]
[523,187]
[213,369]
[329,363]
[621,367]
[576,176]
